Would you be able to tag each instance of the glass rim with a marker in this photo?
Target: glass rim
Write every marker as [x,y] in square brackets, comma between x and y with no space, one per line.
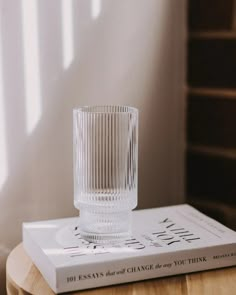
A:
[108,109]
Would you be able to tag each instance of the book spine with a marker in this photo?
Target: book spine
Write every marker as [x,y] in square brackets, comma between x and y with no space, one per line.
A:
[145,267]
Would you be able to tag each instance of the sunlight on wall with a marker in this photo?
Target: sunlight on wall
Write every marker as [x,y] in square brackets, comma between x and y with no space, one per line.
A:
[67,32]
[31,63]
[3,148]
[95,8]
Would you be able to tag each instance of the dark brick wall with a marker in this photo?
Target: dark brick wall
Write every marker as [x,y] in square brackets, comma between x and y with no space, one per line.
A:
[210,14]
[211,109]
[212,62]
[211,177]
[211,120]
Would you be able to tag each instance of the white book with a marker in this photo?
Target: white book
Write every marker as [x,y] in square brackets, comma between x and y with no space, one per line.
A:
[165,241]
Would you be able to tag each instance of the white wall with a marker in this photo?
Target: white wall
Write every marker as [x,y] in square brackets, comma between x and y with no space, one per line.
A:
[52,59]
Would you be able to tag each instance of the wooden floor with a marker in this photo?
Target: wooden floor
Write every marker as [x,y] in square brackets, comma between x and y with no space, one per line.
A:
[24,278]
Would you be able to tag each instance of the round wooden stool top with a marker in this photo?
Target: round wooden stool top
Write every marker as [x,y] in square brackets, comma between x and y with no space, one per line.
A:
[24,278]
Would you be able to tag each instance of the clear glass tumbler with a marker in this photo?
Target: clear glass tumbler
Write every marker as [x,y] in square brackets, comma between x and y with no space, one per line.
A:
[105,170]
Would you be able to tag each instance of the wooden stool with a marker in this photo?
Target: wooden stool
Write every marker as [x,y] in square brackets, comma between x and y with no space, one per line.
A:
[24,278]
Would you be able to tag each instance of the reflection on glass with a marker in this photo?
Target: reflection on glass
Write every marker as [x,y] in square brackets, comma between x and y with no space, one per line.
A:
[31,63]
[67,32]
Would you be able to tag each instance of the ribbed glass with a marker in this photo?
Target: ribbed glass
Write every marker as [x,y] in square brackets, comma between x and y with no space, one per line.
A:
[105,170]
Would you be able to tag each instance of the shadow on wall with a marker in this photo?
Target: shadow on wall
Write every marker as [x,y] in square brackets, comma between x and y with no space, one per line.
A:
[57,55]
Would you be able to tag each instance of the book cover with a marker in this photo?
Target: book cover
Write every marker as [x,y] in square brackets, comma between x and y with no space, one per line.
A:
[165,241]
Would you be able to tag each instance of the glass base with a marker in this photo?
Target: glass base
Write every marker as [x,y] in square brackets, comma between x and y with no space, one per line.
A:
[105,227]
[105,238]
